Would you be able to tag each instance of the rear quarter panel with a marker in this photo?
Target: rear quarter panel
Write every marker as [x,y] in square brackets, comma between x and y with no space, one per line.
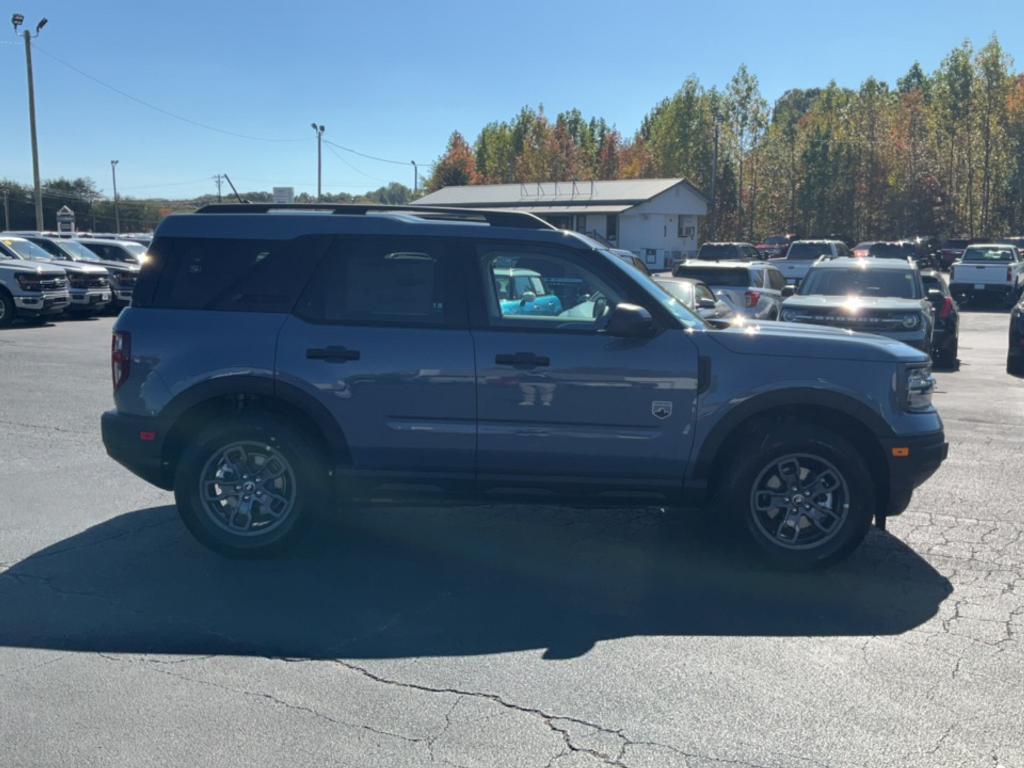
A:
[173,350]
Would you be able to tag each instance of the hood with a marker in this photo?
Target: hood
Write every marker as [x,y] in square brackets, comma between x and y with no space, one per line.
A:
[853,303]
[116,266]
[81,268]
[38,267]
[813,341]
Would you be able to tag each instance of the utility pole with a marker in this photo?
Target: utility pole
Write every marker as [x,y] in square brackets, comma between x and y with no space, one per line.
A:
[17,20]
[219,180]
[714,178]
[117,212]
[415,178]
[319,130]
[7,210]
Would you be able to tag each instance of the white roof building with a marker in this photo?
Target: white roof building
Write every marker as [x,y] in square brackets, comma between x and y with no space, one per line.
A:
[657,219]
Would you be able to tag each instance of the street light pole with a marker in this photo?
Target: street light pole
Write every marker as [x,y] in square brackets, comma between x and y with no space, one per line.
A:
[117,211]
[415,178]
[319,130]
[17,20]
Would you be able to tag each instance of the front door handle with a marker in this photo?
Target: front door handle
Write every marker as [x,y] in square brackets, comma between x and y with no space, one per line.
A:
[522,360]
[332,354]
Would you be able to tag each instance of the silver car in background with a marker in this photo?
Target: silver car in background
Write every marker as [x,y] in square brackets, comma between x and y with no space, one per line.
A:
[696,296]
[753,290]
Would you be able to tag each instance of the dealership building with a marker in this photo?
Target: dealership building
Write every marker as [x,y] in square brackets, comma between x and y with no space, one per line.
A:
[657,219]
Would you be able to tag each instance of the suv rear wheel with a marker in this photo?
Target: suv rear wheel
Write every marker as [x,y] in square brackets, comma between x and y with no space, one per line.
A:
[7,309]
[244,487]
[803,496]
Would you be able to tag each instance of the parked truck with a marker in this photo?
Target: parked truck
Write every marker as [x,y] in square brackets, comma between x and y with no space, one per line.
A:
[988,270]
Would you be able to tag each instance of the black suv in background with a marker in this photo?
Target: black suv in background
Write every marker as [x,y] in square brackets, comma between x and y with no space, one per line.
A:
[728,252]
[946,336]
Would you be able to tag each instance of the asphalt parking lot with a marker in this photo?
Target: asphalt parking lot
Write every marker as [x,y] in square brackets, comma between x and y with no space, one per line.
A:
[505,636]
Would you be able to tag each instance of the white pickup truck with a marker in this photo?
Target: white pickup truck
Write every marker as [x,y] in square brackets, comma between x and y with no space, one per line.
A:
[803,253]
[994,270]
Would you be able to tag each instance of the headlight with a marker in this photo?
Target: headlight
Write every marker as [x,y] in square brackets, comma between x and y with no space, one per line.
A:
[919,387]
[911,321]
[28,282]
[788,315]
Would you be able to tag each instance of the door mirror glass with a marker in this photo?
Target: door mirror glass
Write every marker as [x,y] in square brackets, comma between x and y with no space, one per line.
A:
[788,290]
[934,294]
[706,303]
[529,297]
[629,321]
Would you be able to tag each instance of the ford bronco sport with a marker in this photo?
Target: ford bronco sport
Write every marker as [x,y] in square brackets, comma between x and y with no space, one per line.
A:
[277,360]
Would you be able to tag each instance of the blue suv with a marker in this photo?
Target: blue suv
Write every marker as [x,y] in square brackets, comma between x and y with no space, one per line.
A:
[280,360]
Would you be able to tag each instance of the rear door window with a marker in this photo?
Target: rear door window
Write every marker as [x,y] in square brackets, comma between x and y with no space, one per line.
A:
[776,281]
[387,281]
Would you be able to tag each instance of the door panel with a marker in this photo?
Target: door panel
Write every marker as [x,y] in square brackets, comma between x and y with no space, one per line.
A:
[381,338]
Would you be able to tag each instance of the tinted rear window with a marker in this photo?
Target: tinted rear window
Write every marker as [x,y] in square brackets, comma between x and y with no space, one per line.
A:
[710,252]
[983,255]
[808,251]
[891,251]
[725,278]
[225,274]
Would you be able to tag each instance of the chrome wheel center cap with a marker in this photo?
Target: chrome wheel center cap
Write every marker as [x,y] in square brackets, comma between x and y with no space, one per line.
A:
[249,487]
[798,499]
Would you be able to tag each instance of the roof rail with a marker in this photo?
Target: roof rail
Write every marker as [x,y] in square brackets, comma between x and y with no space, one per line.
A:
[517,219]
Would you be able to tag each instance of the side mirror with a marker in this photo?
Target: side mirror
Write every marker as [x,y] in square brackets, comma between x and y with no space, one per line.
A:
[788,290]
[629,321]
[706,303]
[528,297]
[934,294]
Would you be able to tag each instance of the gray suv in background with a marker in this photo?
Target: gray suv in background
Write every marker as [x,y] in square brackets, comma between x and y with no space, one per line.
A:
[753,290]
[281,360]
[884,296]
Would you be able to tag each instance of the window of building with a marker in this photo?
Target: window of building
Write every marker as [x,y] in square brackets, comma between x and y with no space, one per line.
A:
[611,227]
[685,231]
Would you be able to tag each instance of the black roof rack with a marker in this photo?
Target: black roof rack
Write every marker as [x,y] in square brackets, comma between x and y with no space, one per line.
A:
[518,219]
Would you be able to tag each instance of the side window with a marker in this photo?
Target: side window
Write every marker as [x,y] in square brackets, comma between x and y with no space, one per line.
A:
[701,291]
[386,281]
[757,278]
[542,288]
[775,280]
[226,274]
[750,253]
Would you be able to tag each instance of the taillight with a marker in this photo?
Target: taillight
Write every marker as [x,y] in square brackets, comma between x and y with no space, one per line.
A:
[120,358]
[947,308]
[753,297]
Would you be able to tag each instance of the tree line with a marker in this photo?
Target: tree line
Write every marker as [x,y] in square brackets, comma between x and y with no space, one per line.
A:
[94,212]
[934,153]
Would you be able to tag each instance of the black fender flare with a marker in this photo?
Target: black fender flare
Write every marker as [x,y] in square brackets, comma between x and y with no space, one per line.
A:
[799,397]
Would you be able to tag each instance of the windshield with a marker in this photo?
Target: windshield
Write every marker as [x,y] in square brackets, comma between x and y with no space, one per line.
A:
[27,250]
[890,283]
[717,277]
[975,254]
[134,248]
[77,250]
[891,250]
[808,251]
[712,252]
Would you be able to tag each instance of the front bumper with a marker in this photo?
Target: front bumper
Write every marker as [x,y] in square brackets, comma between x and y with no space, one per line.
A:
[90,298]
[911,461]
[38,304]
[136,443]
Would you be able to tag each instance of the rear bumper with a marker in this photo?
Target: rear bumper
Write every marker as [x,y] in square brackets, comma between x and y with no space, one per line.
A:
[924,454]
[997,290]
[123,437]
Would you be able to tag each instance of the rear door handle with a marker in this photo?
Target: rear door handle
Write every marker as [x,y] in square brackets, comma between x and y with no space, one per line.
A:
[522,360]
[332,354]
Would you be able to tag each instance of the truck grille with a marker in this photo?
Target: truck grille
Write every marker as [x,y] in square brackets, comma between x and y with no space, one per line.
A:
[87,281]
[868,322]
[126,279]
[50,284]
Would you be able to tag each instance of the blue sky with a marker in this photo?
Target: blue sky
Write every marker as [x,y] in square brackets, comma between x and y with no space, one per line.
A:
[394,79]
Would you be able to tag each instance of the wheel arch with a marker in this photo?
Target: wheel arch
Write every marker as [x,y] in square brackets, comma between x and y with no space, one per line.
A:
[188,412]
[845,415]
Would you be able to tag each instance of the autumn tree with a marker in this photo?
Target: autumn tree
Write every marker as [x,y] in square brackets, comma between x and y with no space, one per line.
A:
[456,167]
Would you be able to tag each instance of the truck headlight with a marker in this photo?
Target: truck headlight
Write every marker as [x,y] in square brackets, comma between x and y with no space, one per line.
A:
[918,388]
[788,315]
[912,320]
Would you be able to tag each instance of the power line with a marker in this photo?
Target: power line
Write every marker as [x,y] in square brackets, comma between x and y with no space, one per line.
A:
[161,110]
[346,162]
[374,157]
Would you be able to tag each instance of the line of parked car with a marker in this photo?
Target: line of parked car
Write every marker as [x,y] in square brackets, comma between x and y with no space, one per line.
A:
[44,275]
[891,288]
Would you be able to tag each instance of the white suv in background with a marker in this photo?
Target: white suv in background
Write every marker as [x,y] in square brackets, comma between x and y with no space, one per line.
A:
[751,289]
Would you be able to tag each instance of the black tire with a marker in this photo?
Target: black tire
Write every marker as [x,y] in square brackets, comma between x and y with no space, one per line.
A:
[305,483]
[948,355]
[7,309]
[780,440]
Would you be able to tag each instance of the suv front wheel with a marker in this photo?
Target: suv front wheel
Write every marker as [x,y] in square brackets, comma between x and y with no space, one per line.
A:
[243,487]
[803,495]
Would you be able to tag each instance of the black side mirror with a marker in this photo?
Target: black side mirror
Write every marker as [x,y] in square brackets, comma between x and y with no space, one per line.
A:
[934,294]
[788,290]
[629,321]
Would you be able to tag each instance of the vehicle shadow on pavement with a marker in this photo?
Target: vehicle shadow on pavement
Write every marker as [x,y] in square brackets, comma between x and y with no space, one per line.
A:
[440,582]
